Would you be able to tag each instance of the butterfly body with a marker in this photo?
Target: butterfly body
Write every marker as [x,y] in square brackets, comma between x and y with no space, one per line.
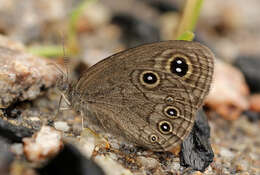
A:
[147,95]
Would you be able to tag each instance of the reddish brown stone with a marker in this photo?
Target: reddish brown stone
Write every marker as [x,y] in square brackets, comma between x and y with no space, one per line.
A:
[229,92]
[255,102]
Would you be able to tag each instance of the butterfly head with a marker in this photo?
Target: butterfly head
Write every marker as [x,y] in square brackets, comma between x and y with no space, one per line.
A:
[63,83]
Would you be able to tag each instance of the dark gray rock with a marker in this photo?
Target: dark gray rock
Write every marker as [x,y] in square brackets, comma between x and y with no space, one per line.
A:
[6,157]
[249,66]
[252,116]
[13,133]
[196,151]
[135,31]
[163,6]
[70,161]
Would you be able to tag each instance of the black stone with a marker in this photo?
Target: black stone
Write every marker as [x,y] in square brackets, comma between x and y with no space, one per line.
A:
[250,67]
[252,116]
[163,6]
[135,31]
[12,111]
[196,151]
[12,132]
[70,161]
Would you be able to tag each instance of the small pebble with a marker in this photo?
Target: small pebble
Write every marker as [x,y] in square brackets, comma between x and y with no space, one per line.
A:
[35,119]
[239,168]
[175,166]
[197,173]
[110,166]
[226,153]
[148,162]
[62,126]
[17,148]
[43,144]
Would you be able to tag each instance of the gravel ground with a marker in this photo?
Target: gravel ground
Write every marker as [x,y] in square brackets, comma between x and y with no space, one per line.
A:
[231,30]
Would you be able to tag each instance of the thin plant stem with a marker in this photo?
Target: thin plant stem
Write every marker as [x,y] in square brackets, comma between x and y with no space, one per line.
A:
[189,19]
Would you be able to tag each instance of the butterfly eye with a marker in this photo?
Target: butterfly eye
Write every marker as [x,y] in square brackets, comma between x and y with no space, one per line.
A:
[179,66]
[171,112]
[165,127]
[150,79]
[153,138]
[62,83]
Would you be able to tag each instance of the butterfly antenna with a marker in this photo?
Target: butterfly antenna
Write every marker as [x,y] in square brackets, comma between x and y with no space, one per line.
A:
[66,59]
[57,67]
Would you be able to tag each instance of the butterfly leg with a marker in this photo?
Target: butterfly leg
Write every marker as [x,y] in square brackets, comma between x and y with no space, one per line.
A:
[61,108]
[82,121]
[100,141]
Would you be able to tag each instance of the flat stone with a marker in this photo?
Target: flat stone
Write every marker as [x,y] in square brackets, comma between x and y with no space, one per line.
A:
[22,75]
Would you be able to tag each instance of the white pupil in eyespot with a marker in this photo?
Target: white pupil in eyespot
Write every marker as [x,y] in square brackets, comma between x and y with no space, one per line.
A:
[150,78]
[178,69]
[179,61]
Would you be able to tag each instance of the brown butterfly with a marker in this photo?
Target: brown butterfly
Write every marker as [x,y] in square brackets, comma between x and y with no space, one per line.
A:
[148,95]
